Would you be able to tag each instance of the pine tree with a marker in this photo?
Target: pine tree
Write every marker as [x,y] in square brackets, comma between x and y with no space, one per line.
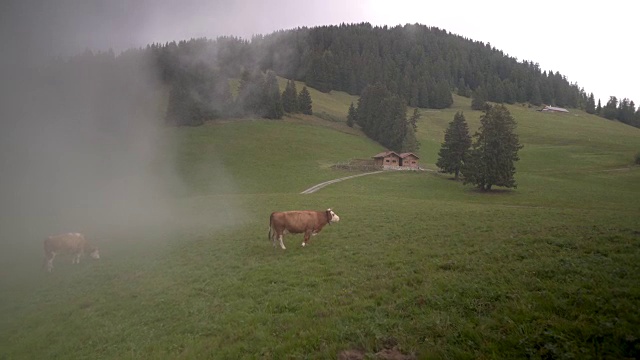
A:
[494,152]
[272,103]
[536,97]
[610,111]
[442,97]
[181,110]
[393,127]
[290,97]
[304,101]
[370,111]
[410,142]
[626,111]
[462,88]
[413,121]
[352,116]
[250,98]
[479,99]
[455,147]
[198,93]
[382,116]
[591,105]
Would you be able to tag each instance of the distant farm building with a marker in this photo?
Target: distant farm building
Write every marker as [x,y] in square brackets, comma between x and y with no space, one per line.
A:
[554,109]
[391,160]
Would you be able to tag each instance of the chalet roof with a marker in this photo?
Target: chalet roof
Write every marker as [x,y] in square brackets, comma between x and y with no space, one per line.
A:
[387,153]
[404,155]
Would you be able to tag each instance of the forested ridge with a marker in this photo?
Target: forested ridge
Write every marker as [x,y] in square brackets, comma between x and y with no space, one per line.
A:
[419,64]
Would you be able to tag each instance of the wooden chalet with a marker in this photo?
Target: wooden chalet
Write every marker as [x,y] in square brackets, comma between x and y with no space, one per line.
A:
[391,160]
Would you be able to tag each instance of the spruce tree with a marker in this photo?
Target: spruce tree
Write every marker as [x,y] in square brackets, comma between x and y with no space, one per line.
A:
[455,147]
[290,98]
[536,97]
[479,99]
[181,109]
[393,126]
[250,98]
[413,121]
[494,152]
[410,142]
[371,111]
[382,116]
[271,102]
[351,117]
[610,111]
[462,88]
[442,97]
[304,101]
[591,105]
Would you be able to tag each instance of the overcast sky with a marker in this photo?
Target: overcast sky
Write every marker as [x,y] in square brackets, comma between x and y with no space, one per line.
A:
[591,45]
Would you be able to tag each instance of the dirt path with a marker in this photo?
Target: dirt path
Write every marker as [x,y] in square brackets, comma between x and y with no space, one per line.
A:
[326,183]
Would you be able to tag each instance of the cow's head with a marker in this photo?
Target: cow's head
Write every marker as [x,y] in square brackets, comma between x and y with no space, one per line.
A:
[332,217]
[95,254]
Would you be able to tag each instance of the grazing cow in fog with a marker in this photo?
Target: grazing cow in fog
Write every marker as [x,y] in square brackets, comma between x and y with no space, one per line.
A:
[297,222]
[70,243]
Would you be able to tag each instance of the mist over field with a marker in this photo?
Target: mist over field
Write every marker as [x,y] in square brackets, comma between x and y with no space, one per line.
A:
[85,148]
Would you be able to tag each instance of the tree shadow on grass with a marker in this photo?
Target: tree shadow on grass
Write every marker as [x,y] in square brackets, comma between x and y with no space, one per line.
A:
[494,192]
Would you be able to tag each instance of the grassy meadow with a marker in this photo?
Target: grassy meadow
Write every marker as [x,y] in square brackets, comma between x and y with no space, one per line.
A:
[419,263]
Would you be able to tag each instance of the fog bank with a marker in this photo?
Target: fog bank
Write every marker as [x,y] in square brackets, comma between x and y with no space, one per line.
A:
[84,148]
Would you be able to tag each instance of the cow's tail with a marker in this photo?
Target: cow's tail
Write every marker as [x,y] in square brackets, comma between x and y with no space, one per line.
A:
[270,226]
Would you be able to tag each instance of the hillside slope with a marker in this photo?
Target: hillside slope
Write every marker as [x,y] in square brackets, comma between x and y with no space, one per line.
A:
[418,264]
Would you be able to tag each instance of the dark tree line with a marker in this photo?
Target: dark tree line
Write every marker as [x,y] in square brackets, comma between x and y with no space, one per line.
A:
[198,72]
[623,110]
[421,65]
[198,93]
[382,115]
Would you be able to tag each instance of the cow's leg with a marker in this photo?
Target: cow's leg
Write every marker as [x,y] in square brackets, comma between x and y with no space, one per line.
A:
[272,236]
[50,261]
[307,235]
[281,242]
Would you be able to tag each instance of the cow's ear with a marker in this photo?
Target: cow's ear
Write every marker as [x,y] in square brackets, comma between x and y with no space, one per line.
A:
[328,212]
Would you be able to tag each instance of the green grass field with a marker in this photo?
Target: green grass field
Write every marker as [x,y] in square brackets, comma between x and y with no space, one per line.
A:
[418,262]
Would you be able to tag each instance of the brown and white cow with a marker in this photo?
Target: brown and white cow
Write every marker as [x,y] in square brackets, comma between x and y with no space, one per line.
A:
[70,243]
[298,222]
